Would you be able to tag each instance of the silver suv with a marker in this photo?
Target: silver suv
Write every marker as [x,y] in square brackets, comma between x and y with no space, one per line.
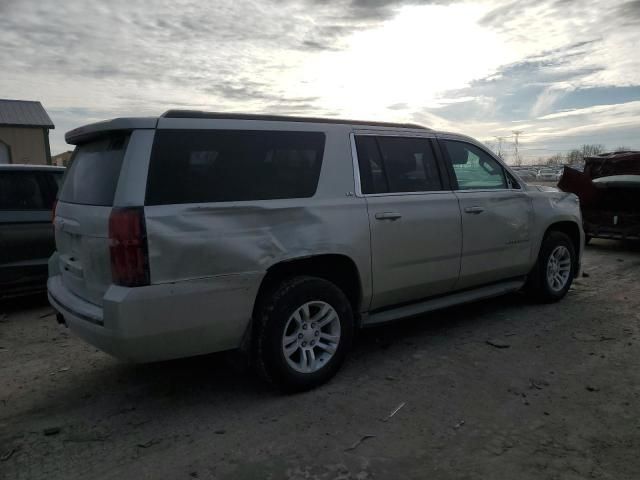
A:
[200,232]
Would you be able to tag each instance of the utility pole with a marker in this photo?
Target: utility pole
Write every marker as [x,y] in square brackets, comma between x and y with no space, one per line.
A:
[516,134]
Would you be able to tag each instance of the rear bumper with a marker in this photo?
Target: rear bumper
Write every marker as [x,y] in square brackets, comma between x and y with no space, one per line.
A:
[161,322]
[614,225]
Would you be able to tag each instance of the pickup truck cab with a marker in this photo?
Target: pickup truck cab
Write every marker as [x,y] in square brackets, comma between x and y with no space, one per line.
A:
[198,232]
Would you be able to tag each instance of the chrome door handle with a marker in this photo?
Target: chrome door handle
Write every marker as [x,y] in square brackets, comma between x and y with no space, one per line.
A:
[388,216]
[474,210]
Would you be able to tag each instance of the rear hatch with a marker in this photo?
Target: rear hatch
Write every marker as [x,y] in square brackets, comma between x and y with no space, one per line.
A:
[81,222]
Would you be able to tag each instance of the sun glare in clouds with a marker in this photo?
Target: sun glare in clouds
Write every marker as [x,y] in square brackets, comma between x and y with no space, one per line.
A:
[405,63]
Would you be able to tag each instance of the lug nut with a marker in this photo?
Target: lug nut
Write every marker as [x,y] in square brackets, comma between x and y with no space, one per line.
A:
[317,334]
[304,326]
[313,342]
[304,344]
[300,335]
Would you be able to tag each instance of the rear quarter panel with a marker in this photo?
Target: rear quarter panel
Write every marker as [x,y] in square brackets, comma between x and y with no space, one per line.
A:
[199,240]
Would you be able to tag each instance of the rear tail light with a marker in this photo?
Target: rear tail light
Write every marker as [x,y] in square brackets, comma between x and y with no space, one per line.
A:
[53,210]
[128,247]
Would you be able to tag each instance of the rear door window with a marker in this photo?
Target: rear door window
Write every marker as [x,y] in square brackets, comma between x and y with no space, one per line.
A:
[21,191]
[391,164]
[198,166]
[93,175]
[410,164]
[373,178]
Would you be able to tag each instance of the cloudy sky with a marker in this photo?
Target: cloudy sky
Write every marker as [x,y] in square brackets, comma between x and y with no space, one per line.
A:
[564,72]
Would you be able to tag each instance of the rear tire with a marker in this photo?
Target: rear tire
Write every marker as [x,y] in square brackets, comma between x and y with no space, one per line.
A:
[304,329]
[551,278]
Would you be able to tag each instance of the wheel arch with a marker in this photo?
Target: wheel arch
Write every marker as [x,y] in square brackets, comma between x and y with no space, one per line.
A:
[337,268]
[572,230]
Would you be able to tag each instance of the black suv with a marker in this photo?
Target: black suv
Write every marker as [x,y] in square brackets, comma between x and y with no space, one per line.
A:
[27,195]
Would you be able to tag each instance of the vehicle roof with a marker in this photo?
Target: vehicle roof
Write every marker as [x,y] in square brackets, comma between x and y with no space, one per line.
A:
[87,132]
[21,166]
[282,118]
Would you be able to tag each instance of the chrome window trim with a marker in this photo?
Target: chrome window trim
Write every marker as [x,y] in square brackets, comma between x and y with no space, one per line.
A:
[429,135]
[399,194]
[487,190]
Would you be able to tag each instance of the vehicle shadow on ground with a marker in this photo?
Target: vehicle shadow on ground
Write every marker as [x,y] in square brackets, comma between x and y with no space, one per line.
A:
[602,245]
[23,302]
[171,386]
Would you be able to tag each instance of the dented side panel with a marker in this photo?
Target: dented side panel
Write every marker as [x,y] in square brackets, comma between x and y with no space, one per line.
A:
[201,240]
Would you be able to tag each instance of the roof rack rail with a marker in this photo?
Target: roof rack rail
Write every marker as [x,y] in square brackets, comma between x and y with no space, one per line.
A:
[281,118]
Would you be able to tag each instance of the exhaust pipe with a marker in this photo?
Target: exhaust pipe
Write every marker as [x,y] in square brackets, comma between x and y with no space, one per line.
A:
[60,319]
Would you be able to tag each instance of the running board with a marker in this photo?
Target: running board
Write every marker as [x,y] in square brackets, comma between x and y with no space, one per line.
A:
[494,290]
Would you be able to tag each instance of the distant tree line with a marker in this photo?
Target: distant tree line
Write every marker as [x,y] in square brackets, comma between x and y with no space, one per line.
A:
[577,155]
[572,157]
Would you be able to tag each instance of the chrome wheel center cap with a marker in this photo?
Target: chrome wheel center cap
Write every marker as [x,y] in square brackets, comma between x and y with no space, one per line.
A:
[308,335]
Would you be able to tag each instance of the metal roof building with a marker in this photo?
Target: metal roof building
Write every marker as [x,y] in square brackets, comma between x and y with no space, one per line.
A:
[24,132]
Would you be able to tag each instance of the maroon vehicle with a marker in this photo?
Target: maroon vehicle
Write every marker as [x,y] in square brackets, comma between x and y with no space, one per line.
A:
[609,191]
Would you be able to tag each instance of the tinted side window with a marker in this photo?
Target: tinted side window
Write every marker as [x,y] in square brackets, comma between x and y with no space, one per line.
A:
[20,191]
[372,176]
[93,175]
[195,166]
[473,168]
[397,164]
[410,164]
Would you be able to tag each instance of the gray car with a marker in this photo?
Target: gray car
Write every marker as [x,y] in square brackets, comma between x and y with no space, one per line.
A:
[27,194]
[199,232]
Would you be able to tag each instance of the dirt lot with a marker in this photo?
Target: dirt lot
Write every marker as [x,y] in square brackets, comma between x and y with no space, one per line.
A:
[560,400]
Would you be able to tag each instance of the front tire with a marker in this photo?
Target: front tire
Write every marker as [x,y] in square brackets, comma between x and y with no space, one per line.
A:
[554,271]
[304,329]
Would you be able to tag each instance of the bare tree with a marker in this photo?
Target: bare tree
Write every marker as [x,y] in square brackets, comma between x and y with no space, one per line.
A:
[590,150]
[574,156]
[500,147]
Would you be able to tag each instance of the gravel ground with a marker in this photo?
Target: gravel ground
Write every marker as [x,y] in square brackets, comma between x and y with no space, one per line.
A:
[557,395]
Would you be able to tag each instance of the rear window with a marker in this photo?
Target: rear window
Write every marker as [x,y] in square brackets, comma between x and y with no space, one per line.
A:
[21,191]
[197,166]
[93,175]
